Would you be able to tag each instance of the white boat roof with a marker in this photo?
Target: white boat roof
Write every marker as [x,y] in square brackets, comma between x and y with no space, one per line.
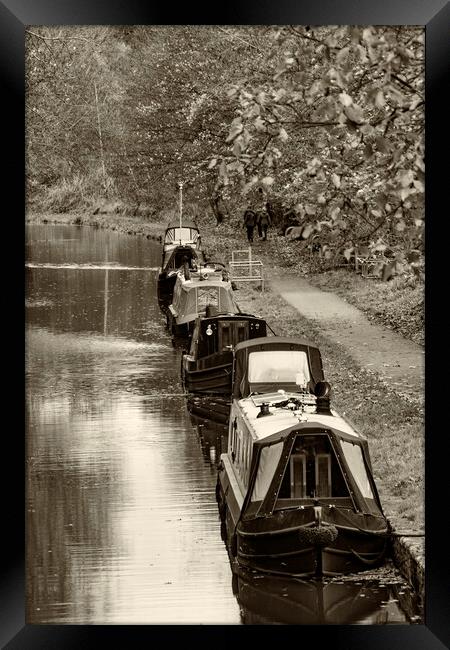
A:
[284,418]
[185,244]
[207,277]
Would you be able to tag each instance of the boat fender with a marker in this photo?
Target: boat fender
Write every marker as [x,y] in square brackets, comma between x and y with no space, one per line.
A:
[322,535]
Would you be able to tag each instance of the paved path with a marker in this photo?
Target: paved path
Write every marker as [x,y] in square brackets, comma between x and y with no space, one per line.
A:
[397,361]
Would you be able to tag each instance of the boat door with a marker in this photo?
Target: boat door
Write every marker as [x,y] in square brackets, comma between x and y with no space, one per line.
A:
[232,332]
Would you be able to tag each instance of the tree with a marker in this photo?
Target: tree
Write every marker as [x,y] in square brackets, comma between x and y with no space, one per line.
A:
[336,128]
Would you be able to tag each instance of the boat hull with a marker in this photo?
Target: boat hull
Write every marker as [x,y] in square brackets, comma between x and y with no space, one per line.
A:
[165,288]
[290,542]
[298,546]
[214,378]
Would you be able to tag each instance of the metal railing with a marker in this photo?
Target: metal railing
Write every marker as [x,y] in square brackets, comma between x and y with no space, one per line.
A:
[246,269]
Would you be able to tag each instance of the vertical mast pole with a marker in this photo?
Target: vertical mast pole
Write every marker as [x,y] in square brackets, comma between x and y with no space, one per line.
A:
[181,207]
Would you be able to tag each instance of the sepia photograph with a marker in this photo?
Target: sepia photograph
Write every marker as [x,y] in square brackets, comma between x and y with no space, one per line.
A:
[223,345]
[225,324]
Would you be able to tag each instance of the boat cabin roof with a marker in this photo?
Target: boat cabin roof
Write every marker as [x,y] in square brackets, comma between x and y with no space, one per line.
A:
[187,233]
[283,419]
[205,288]
[281,434]
[185,223]
[270,363]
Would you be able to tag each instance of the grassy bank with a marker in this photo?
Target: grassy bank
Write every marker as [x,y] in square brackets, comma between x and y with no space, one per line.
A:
[393,426]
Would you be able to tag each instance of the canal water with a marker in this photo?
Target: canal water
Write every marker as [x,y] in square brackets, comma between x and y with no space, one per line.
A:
[122,524]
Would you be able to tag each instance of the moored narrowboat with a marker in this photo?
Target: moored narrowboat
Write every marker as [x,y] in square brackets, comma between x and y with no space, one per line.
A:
[206,367]
[181,246]
[295,488]
[182,232]
[195,291]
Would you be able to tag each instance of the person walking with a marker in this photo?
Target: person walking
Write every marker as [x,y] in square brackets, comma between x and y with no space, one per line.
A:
[249,222]
[258,223]
[264,222]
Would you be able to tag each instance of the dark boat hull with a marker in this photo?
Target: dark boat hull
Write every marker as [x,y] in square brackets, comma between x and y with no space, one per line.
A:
[290,542]
[214,378]
[181,333]
[165,288]
[306,549]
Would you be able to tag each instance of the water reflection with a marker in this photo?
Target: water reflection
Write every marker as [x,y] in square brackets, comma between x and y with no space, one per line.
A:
[267,599]
[212,434]
[122,522]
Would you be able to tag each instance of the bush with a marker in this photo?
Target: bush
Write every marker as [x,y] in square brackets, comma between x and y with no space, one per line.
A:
[79,192]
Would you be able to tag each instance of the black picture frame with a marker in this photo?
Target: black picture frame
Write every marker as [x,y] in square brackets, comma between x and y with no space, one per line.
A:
[15,15]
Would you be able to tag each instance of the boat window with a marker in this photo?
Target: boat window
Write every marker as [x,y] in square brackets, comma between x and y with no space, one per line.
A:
[354,457]
[225,335]
[284,366]
[181,234]
[268,461]
[298,476]
[313,471]
[248,457]
[207,296]
[232,332]
[323,475]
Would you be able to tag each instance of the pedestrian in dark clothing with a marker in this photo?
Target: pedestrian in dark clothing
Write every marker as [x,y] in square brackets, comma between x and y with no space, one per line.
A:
[258,224]
[263,223]
[249,223]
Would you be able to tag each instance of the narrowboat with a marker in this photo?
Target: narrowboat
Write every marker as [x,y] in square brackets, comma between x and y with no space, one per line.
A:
[181,245]
[206,367]
[194,291]
[295,488]
[183,232]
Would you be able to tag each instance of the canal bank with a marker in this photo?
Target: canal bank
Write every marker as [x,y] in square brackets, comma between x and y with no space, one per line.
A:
[408,550]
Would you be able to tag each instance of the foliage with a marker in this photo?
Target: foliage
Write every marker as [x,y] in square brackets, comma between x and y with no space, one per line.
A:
[336,128]
[326,120]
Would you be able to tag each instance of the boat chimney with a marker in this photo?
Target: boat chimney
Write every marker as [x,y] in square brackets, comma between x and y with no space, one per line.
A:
[264,410]
[322,392]
[323,405]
